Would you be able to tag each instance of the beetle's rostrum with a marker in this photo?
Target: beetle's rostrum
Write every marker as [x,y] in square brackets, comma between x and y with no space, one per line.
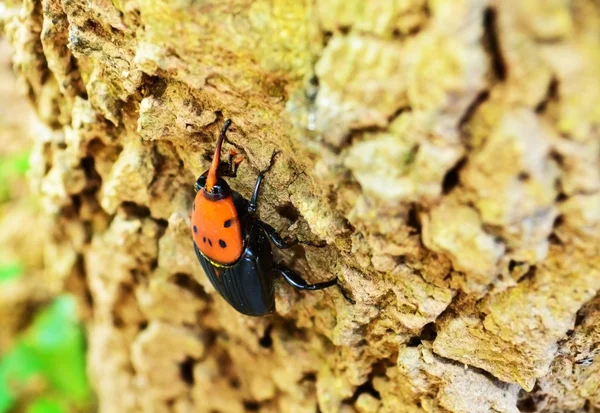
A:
[232,244]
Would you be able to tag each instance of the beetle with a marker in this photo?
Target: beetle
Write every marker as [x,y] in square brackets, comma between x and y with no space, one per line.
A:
[232,244]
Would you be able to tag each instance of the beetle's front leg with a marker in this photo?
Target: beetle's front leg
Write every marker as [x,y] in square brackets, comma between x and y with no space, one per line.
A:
[253,204]
[282,243]
[230,168]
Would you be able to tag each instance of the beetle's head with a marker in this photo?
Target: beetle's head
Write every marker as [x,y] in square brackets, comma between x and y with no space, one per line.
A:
[210,183]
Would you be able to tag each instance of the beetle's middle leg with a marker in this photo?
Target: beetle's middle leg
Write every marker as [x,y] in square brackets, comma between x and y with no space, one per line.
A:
[295,280]
[276,238]
[283,243]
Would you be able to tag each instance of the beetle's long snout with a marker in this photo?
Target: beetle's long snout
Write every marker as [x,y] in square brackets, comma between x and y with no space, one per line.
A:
[211,178]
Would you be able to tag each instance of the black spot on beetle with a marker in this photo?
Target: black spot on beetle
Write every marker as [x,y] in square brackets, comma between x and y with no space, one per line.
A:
[195,230]
[209,242]
[222,243]
[227,223]
[204,239]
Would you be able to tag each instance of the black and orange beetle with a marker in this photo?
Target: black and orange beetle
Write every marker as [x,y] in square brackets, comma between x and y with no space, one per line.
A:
[232,244]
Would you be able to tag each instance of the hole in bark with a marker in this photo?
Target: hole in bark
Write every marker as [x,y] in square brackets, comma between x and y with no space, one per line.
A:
[523,176]
[94,180]
[579,318]
[472,109]
[326,37]
[251,405]
[344,30]
[153,86]
[413,219]
[492,43]
[131,209]
[117,321]
[558,221]
[266,341]
[528,402]
[551,95]
[186,370]
[513,264]
[380,367]
[530,274]
[30,309]
[366,387]
[414,341]
[91,24]
[554,238]
[289,211]
[309,377]
[526,405]
[452,178]
[186,282]
[561,197]
[87,295]
[143,325]
[311,90]
[95,146]
[557,157]
[428,332]
[76,204]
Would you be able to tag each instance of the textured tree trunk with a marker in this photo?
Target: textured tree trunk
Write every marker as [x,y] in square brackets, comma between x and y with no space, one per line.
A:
[448,152]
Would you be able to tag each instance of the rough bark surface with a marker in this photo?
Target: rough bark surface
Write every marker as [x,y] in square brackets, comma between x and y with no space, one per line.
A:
[448,152]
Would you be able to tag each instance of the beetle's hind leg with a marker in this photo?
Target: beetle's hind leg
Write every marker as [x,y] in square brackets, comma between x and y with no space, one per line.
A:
[253,204]
[295,280]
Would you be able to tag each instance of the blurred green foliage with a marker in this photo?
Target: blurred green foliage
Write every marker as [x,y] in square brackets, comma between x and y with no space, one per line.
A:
[44,371]
[11,167]
[10,271]
[50,354]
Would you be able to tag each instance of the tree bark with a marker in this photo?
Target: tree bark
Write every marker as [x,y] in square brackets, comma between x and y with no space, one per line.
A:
[448,152]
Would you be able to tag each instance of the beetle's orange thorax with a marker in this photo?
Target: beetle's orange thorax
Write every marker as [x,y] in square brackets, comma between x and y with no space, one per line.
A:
[216,229]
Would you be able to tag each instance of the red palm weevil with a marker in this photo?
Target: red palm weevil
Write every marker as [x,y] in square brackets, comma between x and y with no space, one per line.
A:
[232,244]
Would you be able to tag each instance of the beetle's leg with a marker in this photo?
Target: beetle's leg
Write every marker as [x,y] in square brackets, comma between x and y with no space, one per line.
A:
[276,238]
[294,279]
[230,168]
[252,205]
[197,186]
[281,242]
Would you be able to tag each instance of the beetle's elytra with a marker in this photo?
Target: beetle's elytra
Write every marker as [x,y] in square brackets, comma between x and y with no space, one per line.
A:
[232,244]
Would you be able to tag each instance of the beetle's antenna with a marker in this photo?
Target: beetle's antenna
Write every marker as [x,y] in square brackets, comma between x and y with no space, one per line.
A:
[211,178]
